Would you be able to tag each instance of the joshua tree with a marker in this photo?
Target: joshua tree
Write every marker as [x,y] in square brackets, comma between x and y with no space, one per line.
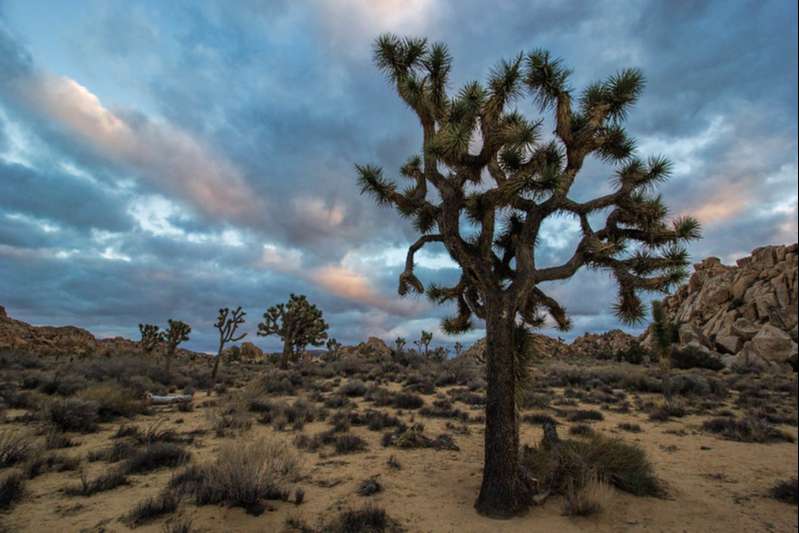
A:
[151,337]
[333,346]
[298,323]
[227,324]
[177,333]
[399,345]
[663,333]
[458,348]
[424,342]
[482,187]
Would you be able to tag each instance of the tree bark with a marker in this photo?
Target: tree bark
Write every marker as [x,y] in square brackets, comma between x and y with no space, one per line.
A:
[286,355]
[505,492]
[212,384]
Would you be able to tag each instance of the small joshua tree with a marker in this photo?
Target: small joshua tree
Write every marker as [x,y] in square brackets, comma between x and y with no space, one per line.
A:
[482,187]
[399,345]
[151,337]
[226,323]
[298,323]
[458,349]
[424,342]
[663,334]
[177,333]
[333,346]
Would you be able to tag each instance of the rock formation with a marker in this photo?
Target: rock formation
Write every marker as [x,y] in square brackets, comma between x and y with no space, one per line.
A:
[63,341]
[373,349]
[746,313]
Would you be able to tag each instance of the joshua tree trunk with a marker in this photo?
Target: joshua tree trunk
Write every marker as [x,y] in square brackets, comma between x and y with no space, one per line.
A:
[212,384]
[285,356]
[504,491]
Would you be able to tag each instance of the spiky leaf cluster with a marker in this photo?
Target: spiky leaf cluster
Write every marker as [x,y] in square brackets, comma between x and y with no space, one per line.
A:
[177,333]
[515,179]
[151,337]
[298,323]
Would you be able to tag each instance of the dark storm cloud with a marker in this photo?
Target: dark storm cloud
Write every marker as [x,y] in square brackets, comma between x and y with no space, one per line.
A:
[282,96]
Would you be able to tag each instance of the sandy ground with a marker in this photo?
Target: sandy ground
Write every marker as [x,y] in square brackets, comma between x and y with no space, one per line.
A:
[715,485]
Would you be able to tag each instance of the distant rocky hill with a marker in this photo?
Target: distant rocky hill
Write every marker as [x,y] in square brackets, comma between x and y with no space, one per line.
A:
[746,313]
[63,341]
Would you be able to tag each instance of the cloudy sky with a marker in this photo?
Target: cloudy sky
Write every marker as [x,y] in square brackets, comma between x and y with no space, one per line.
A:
[162,160]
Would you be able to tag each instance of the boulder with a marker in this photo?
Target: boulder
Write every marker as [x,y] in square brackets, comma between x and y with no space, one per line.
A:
[772,344]
[251,353]
[728,343]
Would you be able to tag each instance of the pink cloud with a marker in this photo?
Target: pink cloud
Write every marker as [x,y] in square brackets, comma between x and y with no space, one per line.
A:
[160,153]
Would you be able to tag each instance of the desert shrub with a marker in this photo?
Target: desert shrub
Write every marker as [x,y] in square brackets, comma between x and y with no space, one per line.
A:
[370,486]
[11,397]
[230,418]
[353,388]
[337,401]
[667,410]
[62,385]
[414,437]
[278,383]
[581,430]
[443,409]
[627,426]
[587,498]
[151,434]
[349,443]
[243,475]
[113,401]
[54,440]
[112,454]
[154,456]
[368,519]
[281,414]
[104,482]
[72,414]
[693,357]
[581,415]
[151,508]
[569,463]
[378,395]
[15,447]
[746,429]
[405,400]
[469,398]
[51,462]
[12,487]
[786,491]
[633,354]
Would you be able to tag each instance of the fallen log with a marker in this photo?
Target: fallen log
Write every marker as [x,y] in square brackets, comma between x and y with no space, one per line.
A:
[168,399]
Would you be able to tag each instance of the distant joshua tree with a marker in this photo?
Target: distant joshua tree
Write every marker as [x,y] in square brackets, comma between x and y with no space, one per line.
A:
[424,342]
[333,347]
[458,348]
[483,186]
[177,333]
[151,337]
[226,323]
[399,345]
[298,323]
